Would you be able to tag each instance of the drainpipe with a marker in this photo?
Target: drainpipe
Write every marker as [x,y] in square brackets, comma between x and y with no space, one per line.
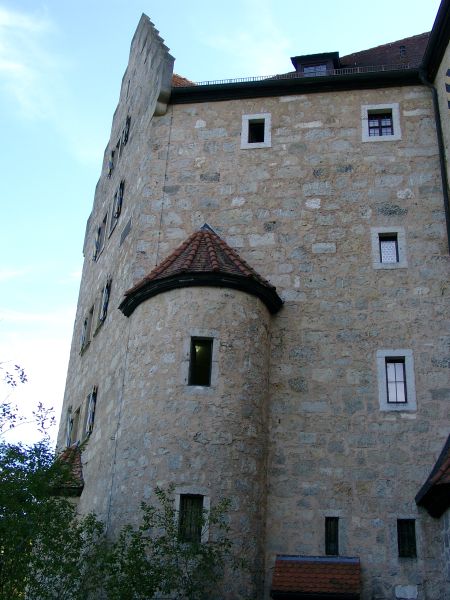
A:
[441,147]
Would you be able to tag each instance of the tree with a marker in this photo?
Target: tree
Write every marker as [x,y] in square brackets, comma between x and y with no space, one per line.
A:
[47,552]
[154,557]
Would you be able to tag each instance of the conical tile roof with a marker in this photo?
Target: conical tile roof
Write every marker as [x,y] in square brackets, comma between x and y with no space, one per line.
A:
[209,261]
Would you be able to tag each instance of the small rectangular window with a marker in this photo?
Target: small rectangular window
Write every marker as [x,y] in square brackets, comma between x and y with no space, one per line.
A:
[75,421]
[190,522]
[117,206]
[200,361]
[396,380]
[256,131]
[380,123]
[332,536]
[86,329]
[99,242]
[406,538]
[89,414]
[104,301]
[388,248]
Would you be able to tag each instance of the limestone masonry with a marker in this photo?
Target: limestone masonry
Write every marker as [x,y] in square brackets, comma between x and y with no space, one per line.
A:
[264,316]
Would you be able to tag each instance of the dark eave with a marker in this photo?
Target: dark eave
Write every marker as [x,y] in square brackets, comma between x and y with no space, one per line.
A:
[159,286]
[295,85]
[438,41]
[434,495]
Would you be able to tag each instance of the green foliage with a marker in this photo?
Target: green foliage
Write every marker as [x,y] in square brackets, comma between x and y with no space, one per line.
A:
[153,558]
[44,550]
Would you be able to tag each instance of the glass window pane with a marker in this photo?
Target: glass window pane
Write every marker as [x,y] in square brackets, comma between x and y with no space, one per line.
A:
[401,392]
[392,392]
[390,370]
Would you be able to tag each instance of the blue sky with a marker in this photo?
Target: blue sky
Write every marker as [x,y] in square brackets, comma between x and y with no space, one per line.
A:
[61,65]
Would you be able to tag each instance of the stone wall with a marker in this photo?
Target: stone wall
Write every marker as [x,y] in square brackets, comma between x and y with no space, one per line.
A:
[301,212]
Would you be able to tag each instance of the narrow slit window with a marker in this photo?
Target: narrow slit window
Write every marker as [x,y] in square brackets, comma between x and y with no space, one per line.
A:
[256,131]
[388,248]
[396,380]
[380,123]
[200,361]
[190,522]
[406,538]
[331,536]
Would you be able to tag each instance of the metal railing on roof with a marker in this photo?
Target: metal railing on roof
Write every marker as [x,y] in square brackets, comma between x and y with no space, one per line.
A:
[328,73]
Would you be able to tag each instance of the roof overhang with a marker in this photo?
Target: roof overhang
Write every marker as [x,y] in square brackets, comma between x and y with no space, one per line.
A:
[434,495]
[438,41]
[159,286]
[294,85]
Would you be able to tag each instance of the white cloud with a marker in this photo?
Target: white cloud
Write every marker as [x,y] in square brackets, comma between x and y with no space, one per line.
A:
[8,316]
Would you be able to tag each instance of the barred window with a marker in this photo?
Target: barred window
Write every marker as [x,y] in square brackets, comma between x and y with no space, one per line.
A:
[190,518]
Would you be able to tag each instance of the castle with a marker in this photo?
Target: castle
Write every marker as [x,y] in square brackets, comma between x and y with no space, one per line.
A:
[263,316]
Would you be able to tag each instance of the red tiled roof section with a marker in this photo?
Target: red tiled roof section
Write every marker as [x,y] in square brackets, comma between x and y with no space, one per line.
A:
[179,81]
[317,576]
[71,456]
[409,50]
[203,252]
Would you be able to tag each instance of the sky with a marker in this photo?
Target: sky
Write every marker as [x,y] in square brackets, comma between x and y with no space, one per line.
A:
[61,65]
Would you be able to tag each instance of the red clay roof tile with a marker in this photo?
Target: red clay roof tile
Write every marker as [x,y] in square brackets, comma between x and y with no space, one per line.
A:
[319,575]
[179,81]
[203,252]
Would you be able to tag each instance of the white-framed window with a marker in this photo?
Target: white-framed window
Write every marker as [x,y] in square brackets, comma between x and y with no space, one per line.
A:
[256,131]
[380,122]
[388,247]
[200,368]
[192,506]
[396,381]
[89,413]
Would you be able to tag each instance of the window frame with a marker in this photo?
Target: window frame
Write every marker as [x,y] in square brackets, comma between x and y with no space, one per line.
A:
[245,130]
[379,109]
[195,491]
[192,365]
[186,360]
[398,383]
[89,414]
[100,238]
[384,356]
[117,203]
[104,302]
[86,332]
[376,235]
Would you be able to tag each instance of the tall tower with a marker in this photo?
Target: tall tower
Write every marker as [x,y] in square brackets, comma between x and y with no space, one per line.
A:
[318,406]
